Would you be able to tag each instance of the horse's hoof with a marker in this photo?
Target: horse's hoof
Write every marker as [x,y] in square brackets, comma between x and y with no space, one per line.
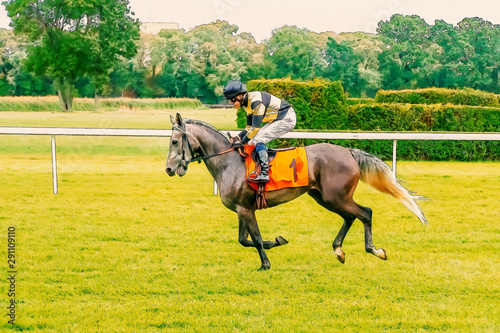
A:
[281,241]
[340,255]
[264,268]
[381,254]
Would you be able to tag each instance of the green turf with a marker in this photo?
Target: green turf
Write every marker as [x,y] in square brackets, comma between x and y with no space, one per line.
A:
[124,248]
[223,119]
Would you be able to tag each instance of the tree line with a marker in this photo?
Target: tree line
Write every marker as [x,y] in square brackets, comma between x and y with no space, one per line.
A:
[94,48]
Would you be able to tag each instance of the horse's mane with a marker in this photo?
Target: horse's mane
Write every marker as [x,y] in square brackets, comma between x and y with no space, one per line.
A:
[206,125]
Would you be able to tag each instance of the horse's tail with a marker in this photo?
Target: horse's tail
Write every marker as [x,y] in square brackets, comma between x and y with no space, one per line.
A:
[378,174]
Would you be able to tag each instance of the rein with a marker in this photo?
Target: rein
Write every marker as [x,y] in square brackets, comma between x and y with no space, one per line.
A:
[200,158]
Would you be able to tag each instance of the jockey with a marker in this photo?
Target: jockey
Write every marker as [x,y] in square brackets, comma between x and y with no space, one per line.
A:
[261,107]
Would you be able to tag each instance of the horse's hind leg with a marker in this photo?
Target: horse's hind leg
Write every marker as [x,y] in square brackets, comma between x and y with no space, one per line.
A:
[349,210]
[365,215]
[339,240]
[348,221]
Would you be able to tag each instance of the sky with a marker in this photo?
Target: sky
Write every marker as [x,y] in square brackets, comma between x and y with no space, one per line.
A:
[260,17]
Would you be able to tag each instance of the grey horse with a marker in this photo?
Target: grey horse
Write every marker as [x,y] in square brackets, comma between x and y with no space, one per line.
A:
[333,171]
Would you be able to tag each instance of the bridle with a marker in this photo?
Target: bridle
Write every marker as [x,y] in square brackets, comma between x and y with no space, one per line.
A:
[195,155]
[185,142]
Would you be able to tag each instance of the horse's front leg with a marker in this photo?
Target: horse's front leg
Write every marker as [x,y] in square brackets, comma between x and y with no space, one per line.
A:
[243,239]
[248,225]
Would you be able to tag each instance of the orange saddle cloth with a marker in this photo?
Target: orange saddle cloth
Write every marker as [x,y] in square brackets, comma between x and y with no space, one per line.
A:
[287,169]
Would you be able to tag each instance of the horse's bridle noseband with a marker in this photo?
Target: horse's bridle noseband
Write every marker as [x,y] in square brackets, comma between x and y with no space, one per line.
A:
[185,142]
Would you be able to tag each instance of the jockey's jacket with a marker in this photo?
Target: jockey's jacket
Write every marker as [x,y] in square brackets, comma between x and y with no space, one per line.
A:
[261,107]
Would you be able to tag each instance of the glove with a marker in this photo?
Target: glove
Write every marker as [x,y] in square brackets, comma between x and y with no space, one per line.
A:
[236,143]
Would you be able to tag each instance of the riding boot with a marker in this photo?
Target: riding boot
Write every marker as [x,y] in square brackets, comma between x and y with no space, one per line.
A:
[263,177]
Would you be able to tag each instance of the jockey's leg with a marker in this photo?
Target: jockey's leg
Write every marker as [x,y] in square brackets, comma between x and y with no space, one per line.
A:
[266,134]
[264,163]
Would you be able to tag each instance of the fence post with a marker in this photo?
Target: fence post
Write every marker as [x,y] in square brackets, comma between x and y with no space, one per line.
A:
[394,145]
[54,163]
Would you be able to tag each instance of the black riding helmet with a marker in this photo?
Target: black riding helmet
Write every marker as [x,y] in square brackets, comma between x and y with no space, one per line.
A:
[233,89]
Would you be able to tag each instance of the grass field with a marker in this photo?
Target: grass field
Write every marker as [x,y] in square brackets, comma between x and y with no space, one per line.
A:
[125,248]
[223,119]
[51,103]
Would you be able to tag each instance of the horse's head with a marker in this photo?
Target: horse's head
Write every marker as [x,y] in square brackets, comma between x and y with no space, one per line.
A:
[183,147]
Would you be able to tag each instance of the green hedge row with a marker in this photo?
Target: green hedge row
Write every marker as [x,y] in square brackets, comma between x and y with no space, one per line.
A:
[414,150]
[320,109]
[409,117]
[426,118]
[439,96]
[355,101]
[312,98]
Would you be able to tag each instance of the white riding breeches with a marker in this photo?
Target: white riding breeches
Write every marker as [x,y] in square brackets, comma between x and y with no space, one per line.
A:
[275,129]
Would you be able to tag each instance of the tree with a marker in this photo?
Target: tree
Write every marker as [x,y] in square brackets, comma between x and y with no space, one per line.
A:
[409,56]
[5,67]
[73,39]
[342,65]
[297,53]
[454,58]
[367,48]
[200,62]
[483,59]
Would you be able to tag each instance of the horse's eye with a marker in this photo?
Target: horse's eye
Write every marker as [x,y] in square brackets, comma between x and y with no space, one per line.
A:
[174,142]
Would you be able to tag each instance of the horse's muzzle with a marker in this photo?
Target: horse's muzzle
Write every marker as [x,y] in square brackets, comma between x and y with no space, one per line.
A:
[170,172]
[180,171]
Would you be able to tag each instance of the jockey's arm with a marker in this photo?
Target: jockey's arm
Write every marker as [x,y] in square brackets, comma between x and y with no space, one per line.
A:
[254,120]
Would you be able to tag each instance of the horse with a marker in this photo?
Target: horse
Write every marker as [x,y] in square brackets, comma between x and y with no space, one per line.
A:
[333,172]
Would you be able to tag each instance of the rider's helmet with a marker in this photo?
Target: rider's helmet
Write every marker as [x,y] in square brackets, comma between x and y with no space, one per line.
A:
[233,89]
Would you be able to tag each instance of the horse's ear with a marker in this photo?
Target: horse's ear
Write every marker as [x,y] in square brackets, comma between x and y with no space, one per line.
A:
[172,120]
[178,119]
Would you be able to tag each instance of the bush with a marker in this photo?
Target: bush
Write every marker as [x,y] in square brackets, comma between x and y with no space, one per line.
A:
[320,104]
[5,88]
[408,117]
[355,101]
[439,96]
[441,118]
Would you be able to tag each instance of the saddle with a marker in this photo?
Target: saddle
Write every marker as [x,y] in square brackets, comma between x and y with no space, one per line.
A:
[287,168]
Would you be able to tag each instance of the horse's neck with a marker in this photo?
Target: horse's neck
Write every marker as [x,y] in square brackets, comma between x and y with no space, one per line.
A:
[213,143]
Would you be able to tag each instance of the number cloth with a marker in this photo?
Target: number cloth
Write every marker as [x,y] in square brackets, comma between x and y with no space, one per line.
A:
[287,169]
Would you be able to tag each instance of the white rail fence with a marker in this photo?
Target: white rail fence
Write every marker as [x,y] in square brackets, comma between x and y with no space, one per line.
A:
[393,136]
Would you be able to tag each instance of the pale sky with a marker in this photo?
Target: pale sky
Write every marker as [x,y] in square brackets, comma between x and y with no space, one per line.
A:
[260,17]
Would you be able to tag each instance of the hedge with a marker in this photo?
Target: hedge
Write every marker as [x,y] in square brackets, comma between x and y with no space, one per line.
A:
[319,108]
[355,101]
[309,98]
[409,117]
[406,117]
[438,118]
[439,96]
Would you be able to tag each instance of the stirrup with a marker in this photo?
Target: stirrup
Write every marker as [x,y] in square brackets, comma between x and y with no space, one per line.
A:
[261,178]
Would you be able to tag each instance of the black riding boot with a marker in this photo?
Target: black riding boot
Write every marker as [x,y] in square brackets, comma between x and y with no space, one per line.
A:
[263,177]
